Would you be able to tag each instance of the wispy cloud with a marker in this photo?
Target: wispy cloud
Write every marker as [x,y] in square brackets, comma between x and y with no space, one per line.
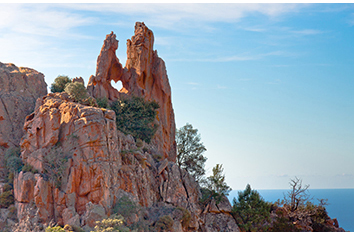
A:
[40,19]
[345,175]
[307,32]
[255,29]
[221,87]
[173,16]
[240,57]
[276,81]
[249,57]
[32,35]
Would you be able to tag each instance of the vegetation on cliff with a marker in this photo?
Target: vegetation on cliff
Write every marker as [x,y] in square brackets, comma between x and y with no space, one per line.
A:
[190,151]
[59,83]
[136,116]
[294,213]
[77,91]
[251,212]
[214,186]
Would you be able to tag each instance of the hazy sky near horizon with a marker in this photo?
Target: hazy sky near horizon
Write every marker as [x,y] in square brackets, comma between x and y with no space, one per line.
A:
[268,86]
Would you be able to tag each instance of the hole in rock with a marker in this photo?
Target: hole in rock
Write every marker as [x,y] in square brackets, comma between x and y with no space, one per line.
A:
[117,85]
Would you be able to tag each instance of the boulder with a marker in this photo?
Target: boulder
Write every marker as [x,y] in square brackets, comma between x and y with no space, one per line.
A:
[93,213]
[214,222]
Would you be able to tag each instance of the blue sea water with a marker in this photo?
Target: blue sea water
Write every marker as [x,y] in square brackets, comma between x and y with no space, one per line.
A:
[341,202]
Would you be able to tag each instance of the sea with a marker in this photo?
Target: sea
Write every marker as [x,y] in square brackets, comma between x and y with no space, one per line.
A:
[340,202]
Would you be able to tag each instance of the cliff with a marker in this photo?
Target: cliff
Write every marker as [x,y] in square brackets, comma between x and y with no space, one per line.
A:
[20,87]
[76,168]
[65,163]
[103,165]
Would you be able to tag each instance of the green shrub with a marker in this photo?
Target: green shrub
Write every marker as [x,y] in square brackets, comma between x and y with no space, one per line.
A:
[10,178]
[7,187]
[14,164]
[206,197]
[89,101]
[29,168]
[12,151]
[125,207]
[54,229]
[216,184]
[186,217]
[164,224]
[136,116]
[12,213]
[141,226]
[59,84]
[13,161]
[54,165]
[115,223]
[6,199]
[251,212]
[103,103]
[77,91]
[283,223]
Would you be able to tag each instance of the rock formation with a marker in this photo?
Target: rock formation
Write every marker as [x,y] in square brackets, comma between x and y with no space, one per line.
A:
[19,89]
[79,169]
[103,165]
[144,75]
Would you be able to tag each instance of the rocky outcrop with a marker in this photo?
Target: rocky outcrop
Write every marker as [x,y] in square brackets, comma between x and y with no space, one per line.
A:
[87,138]
[20,87]
[108,68]
[78,168]
[144,75]
[102,166]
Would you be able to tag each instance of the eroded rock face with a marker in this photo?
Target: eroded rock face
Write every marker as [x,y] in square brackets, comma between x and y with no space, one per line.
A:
[103,166]
[87,136]
[144,75]
[98,165]
[108,68]
[19,89]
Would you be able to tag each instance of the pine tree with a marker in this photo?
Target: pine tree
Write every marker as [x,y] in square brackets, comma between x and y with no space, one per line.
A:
[190,151]
[250,210]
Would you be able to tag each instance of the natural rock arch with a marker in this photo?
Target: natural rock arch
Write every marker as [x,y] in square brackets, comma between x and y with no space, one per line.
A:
[144,75]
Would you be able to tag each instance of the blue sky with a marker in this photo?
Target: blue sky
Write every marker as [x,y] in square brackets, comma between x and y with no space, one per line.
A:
[268,86]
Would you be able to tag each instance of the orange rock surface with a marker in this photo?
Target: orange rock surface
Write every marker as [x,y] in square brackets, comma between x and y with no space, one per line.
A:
[100,164]
[144,75]
[19,89]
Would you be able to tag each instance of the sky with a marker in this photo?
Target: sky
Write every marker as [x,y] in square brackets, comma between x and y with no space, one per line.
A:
[268,86]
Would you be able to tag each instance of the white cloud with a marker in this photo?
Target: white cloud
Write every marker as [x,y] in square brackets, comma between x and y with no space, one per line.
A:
[240,57]
[176,15]
[250,57]
[307,32]
[40,19]
[255,29]
[221,87]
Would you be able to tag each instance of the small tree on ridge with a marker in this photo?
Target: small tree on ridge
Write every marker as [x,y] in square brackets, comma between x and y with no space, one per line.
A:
[190,151]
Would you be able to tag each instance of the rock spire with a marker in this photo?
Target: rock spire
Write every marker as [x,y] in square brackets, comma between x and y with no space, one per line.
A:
[144,75]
